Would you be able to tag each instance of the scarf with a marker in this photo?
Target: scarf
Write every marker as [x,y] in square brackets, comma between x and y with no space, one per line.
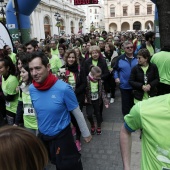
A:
[92,78]
[48,82]
[73,68]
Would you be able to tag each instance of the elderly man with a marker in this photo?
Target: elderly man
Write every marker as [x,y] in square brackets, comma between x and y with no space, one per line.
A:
[122,70]
[53,100]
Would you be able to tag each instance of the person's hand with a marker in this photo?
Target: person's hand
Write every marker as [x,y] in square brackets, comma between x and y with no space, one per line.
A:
[144,88]
[148,87]
[107,106]
[117,80]
[88,139]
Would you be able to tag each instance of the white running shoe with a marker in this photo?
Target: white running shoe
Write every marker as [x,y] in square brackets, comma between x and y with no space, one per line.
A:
[112,100]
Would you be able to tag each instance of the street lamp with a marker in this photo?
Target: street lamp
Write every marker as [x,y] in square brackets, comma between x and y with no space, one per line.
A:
[92,28]
[58,19]
[2,11]
[80,25]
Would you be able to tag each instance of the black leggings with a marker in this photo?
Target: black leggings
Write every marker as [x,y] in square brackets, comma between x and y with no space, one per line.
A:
[94,108]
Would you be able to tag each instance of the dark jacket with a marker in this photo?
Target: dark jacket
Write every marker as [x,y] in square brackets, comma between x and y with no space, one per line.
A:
[136,80]
[101,63]
[81,83]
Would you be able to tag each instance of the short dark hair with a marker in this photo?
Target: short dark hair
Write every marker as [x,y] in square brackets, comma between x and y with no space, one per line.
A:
[33,43]
[38,54]
[148,35]
[144,53]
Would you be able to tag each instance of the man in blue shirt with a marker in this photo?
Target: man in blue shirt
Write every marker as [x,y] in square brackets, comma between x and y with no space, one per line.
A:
[53,99]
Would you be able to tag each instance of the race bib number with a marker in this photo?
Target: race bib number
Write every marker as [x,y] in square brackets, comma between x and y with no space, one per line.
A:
[29,110]
[94,96]
[7,104]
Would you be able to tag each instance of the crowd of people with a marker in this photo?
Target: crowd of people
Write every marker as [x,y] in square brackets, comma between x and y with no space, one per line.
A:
[44,86]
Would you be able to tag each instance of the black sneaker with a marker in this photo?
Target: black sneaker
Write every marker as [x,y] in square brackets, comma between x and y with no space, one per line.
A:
[93,130]
[99,132]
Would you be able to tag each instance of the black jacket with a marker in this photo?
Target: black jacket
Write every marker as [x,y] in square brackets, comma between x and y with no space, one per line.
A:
[136,80]
[81,83]
[101,63]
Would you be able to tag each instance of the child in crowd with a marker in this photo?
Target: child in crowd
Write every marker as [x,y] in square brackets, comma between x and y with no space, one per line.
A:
[95,94]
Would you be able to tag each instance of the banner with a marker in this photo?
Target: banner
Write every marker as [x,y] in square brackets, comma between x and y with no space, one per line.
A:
[5,38]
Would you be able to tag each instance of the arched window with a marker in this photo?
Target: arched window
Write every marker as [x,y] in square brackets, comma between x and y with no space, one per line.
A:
[112,11]
[46,21]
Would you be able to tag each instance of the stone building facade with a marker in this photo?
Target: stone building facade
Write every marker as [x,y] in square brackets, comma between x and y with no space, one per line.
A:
[43,22]
[123,15]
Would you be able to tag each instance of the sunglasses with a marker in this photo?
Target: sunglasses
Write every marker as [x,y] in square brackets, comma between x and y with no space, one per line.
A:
[84,46]
[129,47]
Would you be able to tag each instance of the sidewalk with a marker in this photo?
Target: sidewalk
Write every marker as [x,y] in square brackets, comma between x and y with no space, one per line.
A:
[103,152]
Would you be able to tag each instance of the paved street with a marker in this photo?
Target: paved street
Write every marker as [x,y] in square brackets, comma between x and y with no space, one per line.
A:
[103,152]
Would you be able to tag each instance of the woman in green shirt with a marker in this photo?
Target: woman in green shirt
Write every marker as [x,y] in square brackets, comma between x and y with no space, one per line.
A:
[25,107]
[9,85]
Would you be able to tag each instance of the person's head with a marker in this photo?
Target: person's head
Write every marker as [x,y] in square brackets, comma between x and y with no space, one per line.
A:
[39,66]
[150,36]
[61,49]
[31,46]
[101,44]
[143,57]
[109,40]
[70,57]
[25,74]
[95,52]
[8,49]
[78,52]
[53,44]
[6,66]
[123,38]
[78,42]
[21,48]
[21,59]
[16,43]
[95,72]
[109,47]
[17,144]
[47,50]
[88,46]
[128,47]
[104,35]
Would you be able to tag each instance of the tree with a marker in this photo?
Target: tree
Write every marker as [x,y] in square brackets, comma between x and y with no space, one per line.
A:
[163,7]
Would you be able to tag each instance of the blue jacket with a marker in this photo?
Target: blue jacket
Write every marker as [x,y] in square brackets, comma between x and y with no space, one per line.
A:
[122,70]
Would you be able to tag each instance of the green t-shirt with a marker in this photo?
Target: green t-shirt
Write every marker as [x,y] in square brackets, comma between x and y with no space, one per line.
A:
[55,64]
[54,52]
[145,95]
[71,81]
[153,117]
[94,90]
[94,62]
[162,60]
[150,49]
[9,88]
[30,120]
[13,58]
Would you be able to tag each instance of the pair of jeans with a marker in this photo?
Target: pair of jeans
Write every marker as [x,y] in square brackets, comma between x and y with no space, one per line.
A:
[127,100]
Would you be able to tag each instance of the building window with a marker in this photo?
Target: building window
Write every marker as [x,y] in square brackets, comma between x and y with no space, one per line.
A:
[125,11]
[90,10]
[137,10]
[149,9]
[95,11]
[112,11]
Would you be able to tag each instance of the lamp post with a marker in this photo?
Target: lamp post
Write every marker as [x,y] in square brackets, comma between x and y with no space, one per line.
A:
[80,25]
[58,19]
[92,28]
[2,11]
